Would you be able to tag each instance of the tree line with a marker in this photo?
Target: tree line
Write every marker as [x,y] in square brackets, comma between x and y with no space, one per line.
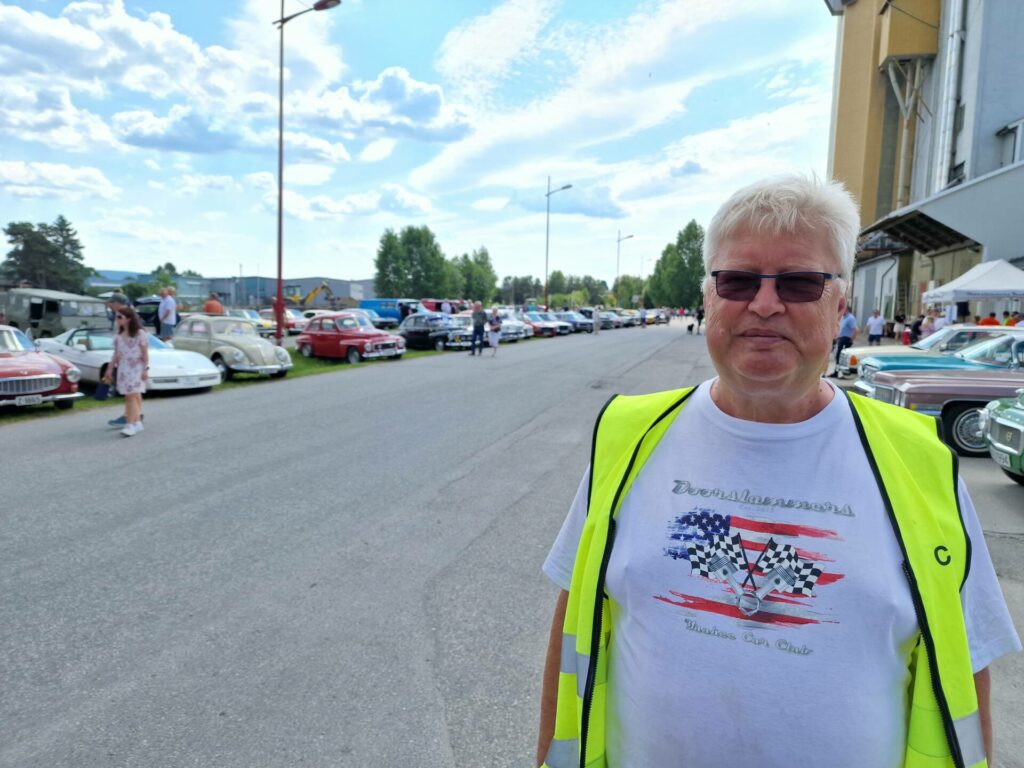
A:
[45,255]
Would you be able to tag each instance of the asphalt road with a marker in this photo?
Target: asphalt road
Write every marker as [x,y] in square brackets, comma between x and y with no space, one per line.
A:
[340,570]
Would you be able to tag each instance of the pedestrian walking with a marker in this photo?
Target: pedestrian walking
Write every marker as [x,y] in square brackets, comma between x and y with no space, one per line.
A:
[476,344]
[700,318]
[764,538]
[167,313]
[494,331]
[847,333]
[131,361]
[876,327]
[643,317]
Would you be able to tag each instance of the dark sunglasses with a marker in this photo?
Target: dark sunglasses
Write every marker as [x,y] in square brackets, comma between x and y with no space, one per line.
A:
[791,287]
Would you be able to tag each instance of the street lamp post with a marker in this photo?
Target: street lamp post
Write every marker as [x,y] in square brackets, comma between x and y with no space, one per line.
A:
[618,253]
[320,5]
[547,235]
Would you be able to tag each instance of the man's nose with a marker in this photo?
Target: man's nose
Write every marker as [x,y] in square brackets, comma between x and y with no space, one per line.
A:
[766,301]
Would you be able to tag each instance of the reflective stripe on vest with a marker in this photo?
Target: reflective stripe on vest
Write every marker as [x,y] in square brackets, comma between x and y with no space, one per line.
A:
[916,477]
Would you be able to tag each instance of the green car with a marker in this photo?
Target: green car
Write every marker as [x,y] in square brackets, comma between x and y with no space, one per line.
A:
[233,345]
[1003,425]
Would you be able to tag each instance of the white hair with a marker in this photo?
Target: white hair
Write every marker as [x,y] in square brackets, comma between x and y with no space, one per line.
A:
[789,205]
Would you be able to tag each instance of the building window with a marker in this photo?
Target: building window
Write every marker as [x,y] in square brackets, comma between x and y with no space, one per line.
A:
[1013,142]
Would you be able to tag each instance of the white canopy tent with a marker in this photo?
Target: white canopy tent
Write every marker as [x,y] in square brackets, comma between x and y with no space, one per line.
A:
[995,279]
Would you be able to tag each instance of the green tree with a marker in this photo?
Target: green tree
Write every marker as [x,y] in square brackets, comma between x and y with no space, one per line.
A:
[429,274]
[391,268]
[597,290]
[660,284]
[46,255]
[686,286]
[626,288]
[557,282]
[478,276]
[136,290]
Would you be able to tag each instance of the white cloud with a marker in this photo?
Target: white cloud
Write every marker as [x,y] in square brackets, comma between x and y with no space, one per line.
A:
[214,216]
[46,115]
[23,179]
[194,183]
[153,235]
[389,198]
[152,164]
[490,203]
[477,54]
[377,150]
[307,174]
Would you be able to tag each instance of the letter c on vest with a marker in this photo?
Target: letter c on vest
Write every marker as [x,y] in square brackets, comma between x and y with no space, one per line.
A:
[942,555]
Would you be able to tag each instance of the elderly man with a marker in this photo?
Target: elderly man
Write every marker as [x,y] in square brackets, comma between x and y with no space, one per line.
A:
[762,569]
[167,313]
[479,321]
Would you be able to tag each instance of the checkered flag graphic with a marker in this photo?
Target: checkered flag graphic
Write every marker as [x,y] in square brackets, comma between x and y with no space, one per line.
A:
[700,558]
[786,571]
[732,547]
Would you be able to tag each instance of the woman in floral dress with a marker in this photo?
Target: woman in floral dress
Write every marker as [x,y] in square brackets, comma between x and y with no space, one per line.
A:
[131,360]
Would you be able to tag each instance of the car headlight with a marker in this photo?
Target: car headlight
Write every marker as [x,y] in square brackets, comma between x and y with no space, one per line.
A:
[400,342]
[368,346]
[73,375]
[282,354]
[238,355]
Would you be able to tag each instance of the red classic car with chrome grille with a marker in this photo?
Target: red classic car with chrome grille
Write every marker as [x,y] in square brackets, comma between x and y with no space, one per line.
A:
[28,377]
[348,335]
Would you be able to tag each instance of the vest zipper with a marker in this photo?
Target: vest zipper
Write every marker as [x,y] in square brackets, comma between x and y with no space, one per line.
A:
[933,667]
[595,642]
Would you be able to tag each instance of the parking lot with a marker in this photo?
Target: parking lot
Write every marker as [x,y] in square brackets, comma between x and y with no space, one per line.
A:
[337,570]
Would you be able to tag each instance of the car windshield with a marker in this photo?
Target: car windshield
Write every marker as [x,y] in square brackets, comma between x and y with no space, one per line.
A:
[235,327]
[994,351]
[363,321]
[935,340]
[155,343]
[94,341]
[440,320]
[13,340]
[371,313]
[463,320]
[535,316]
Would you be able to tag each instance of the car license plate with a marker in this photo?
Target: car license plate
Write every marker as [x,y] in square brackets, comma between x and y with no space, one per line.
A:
[190,381]
[1001,458]
[28,400]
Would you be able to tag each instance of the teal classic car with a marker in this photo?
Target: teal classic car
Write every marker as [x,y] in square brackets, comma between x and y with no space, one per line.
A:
[1002,422]
[1001,353]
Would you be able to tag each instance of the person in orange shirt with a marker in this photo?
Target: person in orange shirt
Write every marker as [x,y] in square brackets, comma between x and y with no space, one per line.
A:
[213,306]
[990,320]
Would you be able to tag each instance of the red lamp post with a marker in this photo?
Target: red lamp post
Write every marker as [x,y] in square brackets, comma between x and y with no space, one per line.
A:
[320,5]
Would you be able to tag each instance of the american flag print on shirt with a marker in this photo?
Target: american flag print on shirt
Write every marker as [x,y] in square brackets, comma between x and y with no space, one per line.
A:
[767,570]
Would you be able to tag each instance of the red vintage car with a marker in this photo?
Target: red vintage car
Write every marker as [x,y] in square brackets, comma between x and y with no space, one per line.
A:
[28,377]
[348,335]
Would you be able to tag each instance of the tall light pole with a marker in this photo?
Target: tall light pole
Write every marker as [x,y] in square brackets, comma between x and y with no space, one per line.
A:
[547,235]
[618,252]
[320,5]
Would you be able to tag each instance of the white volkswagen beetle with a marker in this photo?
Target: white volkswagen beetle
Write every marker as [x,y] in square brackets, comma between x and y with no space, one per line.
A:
[91,349]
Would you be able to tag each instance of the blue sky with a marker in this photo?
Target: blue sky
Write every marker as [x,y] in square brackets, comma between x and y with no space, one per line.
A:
[153,125]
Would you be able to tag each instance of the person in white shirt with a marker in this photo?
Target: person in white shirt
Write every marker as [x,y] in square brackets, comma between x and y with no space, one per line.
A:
[167,313]
[876,327]
[446,307]
[765,457]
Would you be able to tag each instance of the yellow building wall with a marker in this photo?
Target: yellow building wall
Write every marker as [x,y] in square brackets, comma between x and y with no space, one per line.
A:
[859,106]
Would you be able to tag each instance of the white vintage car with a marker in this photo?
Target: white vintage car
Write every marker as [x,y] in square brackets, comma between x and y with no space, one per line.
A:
[90,349]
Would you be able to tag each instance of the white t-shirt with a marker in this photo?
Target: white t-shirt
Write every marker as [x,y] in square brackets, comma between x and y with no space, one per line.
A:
[876,325]
[814,674]
[167,310]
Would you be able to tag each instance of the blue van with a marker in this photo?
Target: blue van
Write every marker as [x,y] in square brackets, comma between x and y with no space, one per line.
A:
[398,309]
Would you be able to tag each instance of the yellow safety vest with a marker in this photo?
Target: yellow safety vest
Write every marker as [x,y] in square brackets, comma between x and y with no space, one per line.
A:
[917,477]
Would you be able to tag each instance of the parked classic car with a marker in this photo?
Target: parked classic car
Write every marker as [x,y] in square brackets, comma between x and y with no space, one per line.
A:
[542,326]
[999,353]
[432,330]
[1002,421]
[293,320]
[384,323]
[610,319]
[265,327]
[578,322]
[90,350]
[944,341]
[233,345]
[511,330]
[31,377]
[956,398]
[348,335]
[629,317]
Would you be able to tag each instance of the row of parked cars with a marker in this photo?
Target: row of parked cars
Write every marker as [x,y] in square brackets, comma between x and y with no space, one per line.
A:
[209,349]
[969,377]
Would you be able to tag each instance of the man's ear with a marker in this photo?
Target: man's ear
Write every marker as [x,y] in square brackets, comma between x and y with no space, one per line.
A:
[842,305]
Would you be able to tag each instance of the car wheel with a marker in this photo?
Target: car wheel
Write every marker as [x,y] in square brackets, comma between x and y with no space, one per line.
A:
[306,350]
[225,373]
[1019,479]
[353,356]
[961,425]
[64,405]
[439,345]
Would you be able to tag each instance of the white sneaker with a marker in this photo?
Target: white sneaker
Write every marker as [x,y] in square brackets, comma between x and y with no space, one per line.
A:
[132,429]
